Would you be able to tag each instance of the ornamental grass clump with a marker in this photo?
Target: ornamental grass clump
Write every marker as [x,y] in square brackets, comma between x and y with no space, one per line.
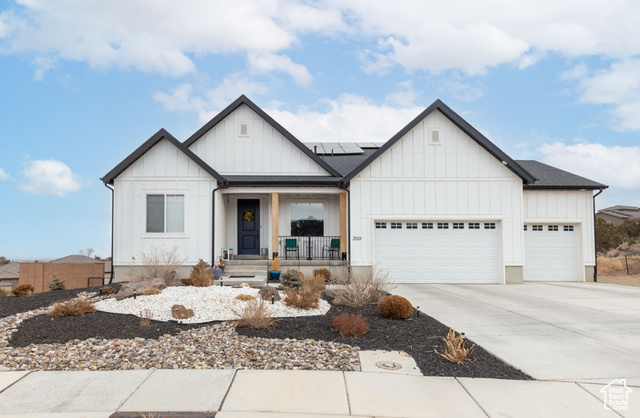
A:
[304,298]
[323,273]
[24,289]
[245,298]
[201,274]
[291,279]
[395,307]
[107,290]
[74,307]
[254,314]
[350,324]
[56,283]
[151,291]
[3,292]
[159,262]
[362,289]
[455,351]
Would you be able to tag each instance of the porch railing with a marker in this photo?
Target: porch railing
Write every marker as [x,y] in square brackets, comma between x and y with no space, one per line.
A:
[309,248]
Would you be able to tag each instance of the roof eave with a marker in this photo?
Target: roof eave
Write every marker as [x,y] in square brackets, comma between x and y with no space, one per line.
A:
[549,187]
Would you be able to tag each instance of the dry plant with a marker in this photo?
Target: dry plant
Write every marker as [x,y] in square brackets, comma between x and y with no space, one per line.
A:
[304,298]
[254,314]
[364,288]
[455,350]
[151,291]
[275,264]
[107,290]
[3,292]
[159,262]
[245,298]
[324,273]
[145,317]
[74,307]
[201,274]
[24,289]
[350,324]
[317,284]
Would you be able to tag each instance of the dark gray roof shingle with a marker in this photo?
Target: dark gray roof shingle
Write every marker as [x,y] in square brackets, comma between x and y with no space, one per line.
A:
[549,177]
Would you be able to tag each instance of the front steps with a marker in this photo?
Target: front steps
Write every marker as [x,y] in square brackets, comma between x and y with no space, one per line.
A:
[253,272]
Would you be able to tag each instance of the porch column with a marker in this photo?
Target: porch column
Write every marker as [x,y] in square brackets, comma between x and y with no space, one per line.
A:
[275,215]
[343,223]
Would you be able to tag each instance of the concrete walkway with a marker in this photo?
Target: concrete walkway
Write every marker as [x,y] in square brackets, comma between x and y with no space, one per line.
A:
[585,332]
[253,393]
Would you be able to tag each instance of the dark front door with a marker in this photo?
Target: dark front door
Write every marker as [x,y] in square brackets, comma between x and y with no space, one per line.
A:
[248,226]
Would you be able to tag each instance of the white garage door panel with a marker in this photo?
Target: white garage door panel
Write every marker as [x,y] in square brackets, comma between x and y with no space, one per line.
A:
[438,255]
[550,255]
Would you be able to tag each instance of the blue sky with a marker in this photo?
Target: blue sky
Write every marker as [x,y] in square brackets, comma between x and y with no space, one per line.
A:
[85,83]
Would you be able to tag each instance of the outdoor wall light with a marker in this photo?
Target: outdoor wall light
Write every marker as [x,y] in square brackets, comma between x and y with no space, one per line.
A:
[417,311]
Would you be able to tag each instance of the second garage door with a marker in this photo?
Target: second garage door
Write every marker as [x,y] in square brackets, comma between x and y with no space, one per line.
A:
[550,253]
[438,252]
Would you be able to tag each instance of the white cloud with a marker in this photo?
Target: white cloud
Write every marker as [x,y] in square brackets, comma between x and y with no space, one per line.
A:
[267,63]
[576,73]
[616,166]
[212,100]
[460,90]
[4,175]
[404,96]
[617,87]
[50,177]
[342,120]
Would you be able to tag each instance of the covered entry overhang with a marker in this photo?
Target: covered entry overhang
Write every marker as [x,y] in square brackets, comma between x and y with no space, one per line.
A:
[262,220]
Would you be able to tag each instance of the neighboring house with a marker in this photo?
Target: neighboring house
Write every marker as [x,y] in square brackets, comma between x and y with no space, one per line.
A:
[438,202]
[9,275]
[618,214]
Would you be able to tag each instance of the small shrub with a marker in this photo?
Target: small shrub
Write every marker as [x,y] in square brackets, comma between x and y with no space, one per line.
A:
[74,307]
[107,290]
[317,284]
[364,288]
[455,350]
[3,292]
[395,307]
[23,289]
[275,265]
[291,279]
[151,291]
[323,273]
[254,314]
[302,298]
[145,318]
[350,324]
[56,283]
[159,262]
[245,298]
[201,274]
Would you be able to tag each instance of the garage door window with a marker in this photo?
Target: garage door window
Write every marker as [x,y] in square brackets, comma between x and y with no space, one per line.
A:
[568,228]
[427,225]
[474,225]
[396,225]
[552,227]
[536,227]
[412,225]
[490,225]
[458,225]
[443,225]
[381,225]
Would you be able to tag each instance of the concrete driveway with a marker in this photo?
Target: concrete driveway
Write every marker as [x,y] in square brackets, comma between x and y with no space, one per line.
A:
[586,332]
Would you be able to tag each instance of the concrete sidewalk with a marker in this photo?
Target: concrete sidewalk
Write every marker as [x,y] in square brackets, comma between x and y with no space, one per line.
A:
[263,393]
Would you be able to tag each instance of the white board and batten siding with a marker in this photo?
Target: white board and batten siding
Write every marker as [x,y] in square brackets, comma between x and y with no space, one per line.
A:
[162,170]
[263,150]
[455,181]
[561,254]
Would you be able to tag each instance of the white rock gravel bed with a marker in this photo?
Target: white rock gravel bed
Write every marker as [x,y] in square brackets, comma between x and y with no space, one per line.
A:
[209,347]
[211,303]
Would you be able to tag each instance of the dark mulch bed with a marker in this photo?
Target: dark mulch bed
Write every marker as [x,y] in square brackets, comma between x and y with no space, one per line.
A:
[11,305]
[43,329]
[418,336]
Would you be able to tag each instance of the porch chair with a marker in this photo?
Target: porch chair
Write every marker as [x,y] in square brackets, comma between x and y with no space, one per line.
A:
[334,248]
[291,245]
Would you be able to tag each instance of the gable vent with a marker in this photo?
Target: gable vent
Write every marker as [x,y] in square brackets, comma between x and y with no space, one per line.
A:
[244,129]
[436,136]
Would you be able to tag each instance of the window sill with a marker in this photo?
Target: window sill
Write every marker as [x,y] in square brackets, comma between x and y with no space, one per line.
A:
[164,235]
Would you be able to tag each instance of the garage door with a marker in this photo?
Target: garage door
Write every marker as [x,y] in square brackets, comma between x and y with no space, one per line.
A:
[550,253]
[437,252]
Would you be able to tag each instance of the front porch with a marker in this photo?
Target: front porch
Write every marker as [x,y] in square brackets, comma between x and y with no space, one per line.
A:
[297,224]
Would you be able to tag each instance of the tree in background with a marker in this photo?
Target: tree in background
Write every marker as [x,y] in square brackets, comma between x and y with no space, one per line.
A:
[630,230]
[607,236]
[88,252]
[4,260]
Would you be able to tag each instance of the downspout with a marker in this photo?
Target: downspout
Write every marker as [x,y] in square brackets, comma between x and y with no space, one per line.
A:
[344,187]
[213,223]
[595,252]
[112,206]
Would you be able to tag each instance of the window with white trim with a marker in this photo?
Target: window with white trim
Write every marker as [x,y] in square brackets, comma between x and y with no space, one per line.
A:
[489,225]
[443,225]
[396,225]
[474,225]
[552,227]
[536,227]
[427,225]
[412,225]
[381,225]
[568,228]
[458,225]
[165,213]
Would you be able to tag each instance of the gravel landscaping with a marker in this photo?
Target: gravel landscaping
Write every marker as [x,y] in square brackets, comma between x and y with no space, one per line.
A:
[109,341]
